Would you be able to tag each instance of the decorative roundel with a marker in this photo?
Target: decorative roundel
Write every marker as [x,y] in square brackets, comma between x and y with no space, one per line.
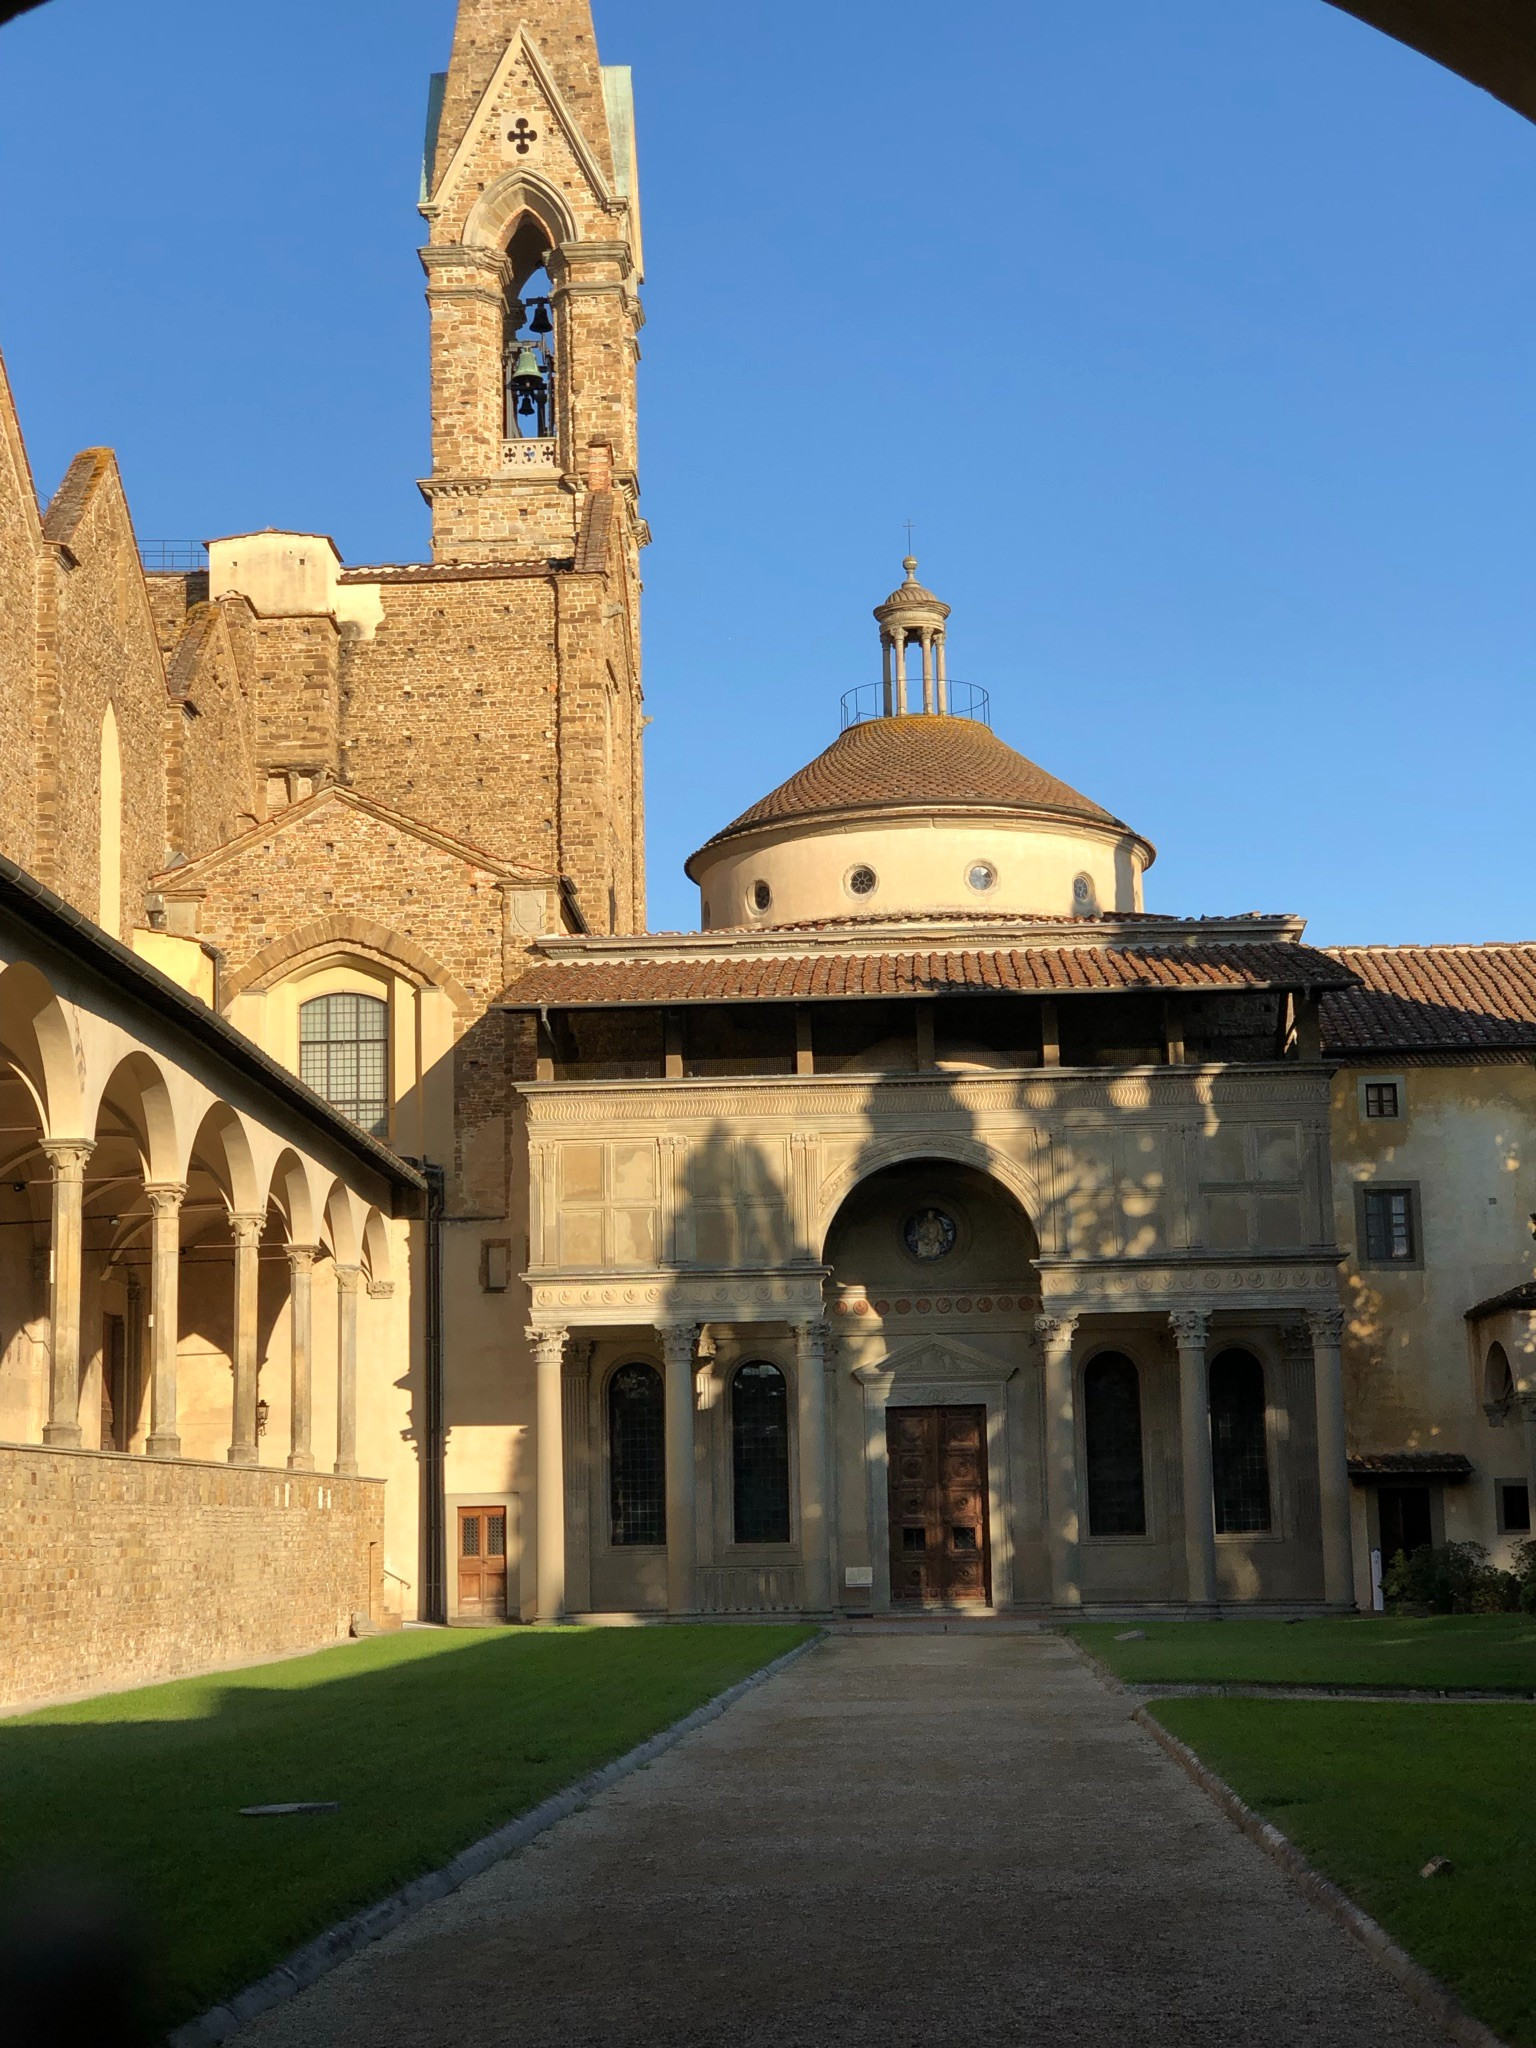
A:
[762,896]
[982,876]
[1082,891]
[930,1234]
[862,881]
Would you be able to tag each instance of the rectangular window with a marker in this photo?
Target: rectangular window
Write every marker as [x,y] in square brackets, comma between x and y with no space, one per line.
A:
[1389,1228]
[1514,1508]
[1381,1099]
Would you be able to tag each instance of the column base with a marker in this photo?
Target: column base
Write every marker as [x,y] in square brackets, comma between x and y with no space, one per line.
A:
[301,1461]
[346,1471]
[162,1447]
[63,1436]
[242,1454]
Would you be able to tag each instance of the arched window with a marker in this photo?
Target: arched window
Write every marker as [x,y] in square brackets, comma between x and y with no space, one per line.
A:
[1239,1450]
[760,1454]
[528,336]
[1112,1426]
[637,1456]
[110,908]
[344,1056]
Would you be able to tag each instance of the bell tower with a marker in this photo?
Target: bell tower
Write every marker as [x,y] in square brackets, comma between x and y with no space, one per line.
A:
[533,262]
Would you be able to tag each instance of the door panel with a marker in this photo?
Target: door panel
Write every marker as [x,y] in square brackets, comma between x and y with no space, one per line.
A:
[482,1564]
[940,1552]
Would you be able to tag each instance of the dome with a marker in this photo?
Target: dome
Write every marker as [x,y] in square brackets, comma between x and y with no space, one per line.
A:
[919,762]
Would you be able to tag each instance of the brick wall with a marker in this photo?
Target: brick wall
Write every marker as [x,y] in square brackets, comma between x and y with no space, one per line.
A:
[118,1570]
[20,550]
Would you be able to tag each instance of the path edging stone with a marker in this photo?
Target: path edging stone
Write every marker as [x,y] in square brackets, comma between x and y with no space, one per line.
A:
[316,1959]
[1427,1992]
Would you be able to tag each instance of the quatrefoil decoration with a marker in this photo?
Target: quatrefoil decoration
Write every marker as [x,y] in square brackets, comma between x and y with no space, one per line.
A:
[522,136]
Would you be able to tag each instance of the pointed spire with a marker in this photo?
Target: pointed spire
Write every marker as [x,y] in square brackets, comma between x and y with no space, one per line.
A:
[567,41]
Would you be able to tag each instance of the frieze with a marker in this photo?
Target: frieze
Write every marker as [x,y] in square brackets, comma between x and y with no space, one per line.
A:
[677,1298]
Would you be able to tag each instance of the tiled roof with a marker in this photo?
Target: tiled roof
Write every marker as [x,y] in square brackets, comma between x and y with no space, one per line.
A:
[1522,1298]
[448,572]
[917,762]
[811,977]
[1371,1467]
[1433,998]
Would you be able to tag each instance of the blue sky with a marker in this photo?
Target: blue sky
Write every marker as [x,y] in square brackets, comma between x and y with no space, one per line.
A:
[1194,337]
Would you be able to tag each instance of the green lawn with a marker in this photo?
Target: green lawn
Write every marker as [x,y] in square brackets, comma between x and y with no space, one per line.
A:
[1477,1652]
[428,1739]
[1369,1793]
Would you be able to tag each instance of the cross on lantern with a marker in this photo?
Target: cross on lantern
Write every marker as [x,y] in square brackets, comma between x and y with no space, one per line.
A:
[522,135]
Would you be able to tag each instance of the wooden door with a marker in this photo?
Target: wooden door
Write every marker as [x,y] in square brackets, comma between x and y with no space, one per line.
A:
[940,1554]
[482,1564]
[1406,1523]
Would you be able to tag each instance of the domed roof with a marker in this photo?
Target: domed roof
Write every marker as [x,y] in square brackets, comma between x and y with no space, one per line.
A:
[921,761]
[911,595]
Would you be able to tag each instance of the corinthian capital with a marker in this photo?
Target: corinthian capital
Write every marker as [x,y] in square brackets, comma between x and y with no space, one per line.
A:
[548,1346]
[1190,1327]
[1057,1329]
[1326,1325]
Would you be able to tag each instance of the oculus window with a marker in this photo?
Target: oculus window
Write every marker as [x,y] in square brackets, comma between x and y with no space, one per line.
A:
[760,1454]
[344,1056]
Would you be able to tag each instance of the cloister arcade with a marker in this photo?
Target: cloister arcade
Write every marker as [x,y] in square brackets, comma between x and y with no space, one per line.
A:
[181,1275]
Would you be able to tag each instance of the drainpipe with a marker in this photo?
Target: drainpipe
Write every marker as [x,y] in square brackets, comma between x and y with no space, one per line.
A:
[434,1433]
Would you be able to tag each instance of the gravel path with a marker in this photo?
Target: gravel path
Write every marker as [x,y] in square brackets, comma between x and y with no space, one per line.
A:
[924,1840]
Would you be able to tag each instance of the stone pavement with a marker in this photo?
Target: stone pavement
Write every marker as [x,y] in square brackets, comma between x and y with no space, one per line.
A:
[925,1840]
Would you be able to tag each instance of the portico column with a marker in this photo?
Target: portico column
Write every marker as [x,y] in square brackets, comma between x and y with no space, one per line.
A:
[247,1235]
[815,1503]
[549,1466]
[1327,1327]
[301,1326]
[1061,1513]
[349,1282]
[66,1157]
[677,1342]
[1190,1329]
[165,1200]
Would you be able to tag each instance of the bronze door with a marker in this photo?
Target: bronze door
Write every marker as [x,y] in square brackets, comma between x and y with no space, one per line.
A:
[482,1564]
[940,1553]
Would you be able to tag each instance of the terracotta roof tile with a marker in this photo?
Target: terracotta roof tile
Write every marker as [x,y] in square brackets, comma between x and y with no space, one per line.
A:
[1037,970]
[1433,998]
[919,762]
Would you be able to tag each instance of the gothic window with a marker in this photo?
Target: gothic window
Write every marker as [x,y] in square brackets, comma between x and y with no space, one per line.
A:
[637,1456]
[344,1056]
[760,1454]
[1112,1428]
[1239,1446]
[529,336]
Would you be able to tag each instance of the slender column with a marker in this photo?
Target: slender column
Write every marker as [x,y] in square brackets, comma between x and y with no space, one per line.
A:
[927,647]
[165,1200]
[1190,1329]
[678,1341]
[899,644]
[938,651]
[301,1333]
[247,1364]
[885,675]
[66,1157]
[548,1348]
[1061,1511]
[811,1341]
[575,1390]
[1327,1328]
[349,1283]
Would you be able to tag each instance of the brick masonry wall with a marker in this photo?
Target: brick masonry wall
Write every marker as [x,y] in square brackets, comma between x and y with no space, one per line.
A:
[20,556]
[118,1570]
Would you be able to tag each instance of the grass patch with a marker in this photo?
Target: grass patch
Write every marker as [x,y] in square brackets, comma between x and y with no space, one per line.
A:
[1476,1652]
[1370,1792]
[428,1739]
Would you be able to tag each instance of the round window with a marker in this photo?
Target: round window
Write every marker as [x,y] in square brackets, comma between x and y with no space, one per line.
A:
[862,881]
[1082,893]
[762,896]
[930,1234]
[982,876]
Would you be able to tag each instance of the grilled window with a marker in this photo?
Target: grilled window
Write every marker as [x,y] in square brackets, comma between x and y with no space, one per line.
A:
[637,1456]
[1112,1426]
[760,1454]
[1390,1238]
[344,1056]
[1239,1448]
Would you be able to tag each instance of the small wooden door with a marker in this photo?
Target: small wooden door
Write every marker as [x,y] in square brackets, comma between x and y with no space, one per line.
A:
[1406,1522]
[482,1564]
[940,1554]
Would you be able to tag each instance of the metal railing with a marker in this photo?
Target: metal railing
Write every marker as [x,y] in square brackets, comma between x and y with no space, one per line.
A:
[168,556]
[964,700]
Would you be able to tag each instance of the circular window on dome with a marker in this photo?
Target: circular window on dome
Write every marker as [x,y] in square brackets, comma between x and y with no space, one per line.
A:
[762,896]
[1084,898]
[981,876]
[861,881]
[930,1234]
